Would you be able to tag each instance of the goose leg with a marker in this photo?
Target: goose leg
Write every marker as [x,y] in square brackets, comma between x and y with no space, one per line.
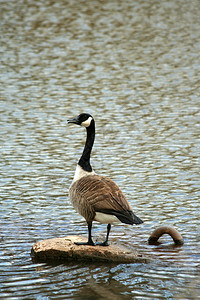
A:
[90,241]
[105,243]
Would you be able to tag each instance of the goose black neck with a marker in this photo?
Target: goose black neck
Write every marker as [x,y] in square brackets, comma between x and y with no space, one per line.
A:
[84,161]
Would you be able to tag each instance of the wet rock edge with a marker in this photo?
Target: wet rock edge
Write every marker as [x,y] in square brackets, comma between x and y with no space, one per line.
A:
[64,249]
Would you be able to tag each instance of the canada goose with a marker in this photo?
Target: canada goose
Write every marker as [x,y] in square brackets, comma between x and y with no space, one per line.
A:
[97,198]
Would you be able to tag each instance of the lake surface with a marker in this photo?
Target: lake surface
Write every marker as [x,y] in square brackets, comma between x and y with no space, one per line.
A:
[134,65]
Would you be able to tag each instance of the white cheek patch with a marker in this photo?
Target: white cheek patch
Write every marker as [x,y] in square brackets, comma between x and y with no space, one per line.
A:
[87,122]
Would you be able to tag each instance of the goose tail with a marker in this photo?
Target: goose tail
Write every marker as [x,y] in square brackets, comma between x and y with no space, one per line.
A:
[125,216]
[128,217]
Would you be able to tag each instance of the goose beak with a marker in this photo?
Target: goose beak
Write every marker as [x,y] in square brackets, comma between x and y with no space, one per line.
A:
[73,121]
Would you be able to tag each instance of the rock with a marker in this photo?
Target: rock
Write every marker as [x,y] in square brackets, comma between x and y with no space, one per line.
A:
[64,249]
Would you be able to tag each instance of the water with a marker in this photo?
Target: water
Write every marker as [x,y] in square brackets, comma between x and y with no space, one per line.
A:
[133,65]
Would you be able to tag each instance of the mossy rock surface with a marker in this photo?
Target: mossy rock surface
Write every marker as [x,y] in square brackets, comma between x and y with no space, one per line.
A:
[64,249]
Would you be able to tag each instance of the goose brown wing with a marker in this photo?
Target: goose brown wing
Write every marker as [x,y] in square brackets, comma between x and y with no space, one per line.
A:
[117,204]
[113,198]
[101,194]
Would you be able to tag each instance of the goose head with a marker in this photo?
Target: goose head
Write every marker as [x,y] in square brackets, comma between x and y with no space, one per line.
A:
[83,119]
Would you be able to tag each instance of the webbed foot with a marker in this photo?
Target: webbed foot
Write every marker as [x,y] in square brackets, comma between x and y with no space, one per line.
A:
[89,243]
[102,244]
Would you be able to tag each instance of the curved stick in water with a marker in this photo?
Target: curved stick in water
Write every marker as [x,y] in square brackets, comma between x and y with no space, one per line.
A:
[157,233]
